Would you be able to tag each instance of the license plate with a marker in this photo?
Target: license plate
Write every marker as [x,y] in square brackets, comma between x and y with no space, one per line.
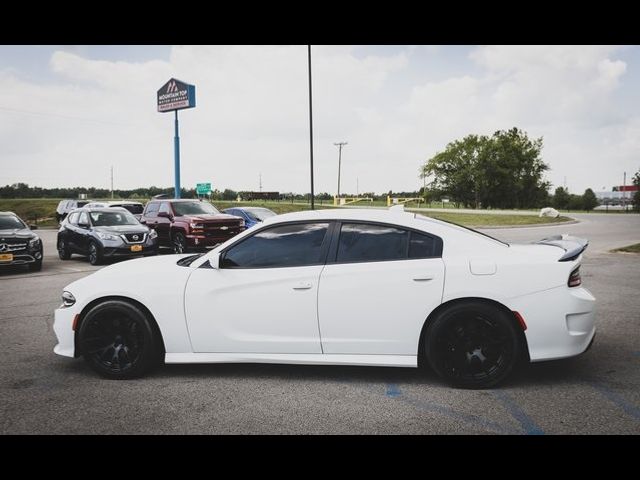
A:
[136,248]
[6,257]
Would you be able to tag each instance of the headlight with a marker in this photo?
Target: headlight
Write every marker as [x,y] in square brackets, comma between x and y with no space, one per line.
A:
[153,234]
[107,236]
[68,299]
[34,242]
[196,225]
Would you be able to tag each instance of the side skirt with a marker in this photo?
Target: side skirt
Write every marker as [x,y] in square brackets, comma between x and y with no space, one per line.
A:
[295,358]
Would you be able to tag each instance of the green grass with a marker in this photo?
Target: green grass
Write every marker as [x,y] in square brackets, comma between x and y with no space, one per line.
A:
[42,211]
[629,249]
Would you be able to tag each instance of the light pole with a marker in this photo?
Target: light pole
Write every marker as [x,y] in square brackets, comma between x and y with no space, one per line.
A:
[310,126]
[339,145]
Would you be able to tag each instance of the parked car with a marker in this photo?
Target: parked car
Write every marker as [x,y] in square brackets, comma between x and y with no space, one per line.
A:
[345,287]
[65,206]
[183,225]
[101,233]
[251,215]
[18,244]
[136,208]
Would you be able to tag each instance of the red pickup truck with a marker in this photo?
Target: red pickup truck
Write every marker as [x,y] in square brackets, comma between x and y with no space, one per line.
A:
[184,225]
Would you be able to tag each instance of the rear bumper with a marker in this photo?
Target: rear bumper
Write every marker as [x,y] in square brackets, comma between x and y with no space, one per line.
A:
[560,322]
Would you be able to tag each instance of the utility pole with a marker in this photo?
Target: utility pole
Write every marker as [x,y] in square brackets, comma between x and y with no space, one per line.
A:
[310,126]
[339,145]
[111,181]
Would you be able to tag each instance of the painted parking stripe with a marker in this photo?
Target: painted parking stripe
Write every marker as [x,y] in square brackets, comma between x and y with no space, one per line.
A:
[526,422]
[617,399]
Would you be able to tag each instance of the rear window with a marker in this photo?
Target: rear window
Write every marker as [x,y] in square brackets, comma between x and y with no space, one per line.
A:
[82,203]
[133,208]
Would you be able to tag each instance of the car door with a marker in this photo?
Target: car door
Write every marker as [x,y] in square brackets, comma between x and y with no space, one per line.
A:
[377,289]
[83,233]
[163,224]
[263,298]
[70,233]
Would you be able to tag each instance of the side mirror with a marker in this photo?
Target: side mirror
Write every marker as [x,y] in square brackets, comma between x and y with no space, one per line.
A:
[83,225]
[33,227]
[214,261]
[164,215]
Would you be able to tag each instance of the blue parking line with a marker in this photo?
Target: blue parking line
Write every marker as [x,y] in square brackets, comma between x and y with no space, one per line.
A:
[526,422]
[393,390]
[617,399]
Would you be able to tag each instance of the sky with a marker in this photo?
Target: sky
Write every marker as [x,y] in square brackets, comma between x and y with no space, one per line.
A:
[70,113]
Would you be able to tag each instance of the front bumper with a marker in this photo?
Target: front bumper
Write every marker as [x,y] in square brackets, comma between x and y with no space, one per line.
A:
[201,241]
[112,252]
[63,328]
[560,322]
[23,258]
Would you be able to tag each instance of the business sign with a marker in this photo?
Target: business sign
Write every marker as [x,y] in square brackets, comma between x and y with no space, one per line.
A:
[203,188]
[176,95]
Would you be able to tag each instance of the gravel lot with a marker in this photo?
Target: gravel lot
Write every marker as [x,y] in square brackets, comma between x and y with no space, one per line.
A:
[598,392]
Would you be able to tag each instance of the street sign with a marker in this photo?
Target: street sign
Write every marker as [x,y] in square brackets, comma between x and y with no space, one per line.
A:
[203,188]
[176,95]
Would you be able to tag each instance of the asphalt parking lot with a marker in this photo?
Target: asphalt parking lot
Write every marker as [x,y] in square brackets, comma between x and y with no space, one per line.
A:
[596,393]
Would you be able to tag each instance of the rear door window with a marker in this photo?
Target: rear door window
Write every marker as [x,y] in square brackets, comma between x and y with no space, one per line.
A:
[360,242]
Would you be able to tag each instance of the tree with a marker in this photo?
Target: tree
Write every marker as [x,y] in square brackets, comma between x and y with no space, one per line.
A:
[561,199]
[501,171]
[589,200]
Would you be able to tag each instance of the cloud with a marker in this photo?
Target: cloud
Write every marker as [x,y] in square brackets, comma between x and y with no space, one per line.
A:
[252,114]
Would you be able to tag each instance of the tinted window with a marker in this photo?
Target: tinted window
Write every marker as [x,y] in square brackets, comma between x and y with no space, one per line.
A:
[132,207]
[258,214]
[164,207]
[152,209]
[421,246]
[73,218]
[82,203]
[368,243]
[283,246]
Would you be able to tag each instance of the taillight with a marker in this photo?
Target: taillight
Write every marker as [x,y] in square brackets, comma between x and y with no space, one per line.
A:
[574,278]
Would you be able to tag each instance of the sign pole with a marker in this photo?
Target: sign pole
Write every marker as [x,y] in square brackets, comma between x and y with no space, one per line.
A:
[176,150]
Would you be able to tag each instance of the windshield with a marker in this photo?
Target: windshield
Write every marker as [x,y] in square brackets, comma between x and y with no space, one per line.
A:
[193,208]
[9,222]
[259,214]
[422,217]
[107,219]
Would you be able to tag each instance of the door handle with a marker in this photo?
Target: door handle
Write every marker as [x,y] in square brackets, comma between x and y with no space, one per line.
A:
[422,279]
[302,286]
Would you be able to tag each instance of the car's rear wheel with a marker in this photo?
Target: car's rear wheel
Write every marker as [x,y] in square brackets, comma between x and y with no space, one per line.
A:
[179,243]
[63,250]
[472,345]
[95,256]
[117,340]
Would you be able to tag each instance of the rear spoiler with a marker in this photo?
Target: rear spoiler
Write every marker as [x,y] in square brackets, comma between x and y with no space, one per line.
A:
[572,246]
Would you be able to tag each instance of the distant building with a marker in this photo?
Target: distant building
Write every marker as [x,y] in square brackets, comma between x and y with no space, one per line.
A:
[617,195]
[248,196]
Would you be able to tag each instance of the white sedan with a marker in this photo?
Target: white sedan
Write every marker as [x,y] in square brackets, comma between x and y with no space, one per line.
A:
[338,287]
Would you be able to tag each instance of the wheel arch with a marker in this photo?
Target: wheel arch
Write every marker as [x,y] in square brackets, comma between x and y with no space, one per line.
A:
[145,310]
[457,301]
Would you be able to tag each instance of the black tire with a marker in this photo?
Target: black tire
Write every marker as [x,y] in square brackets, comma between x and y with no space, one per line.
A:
[117,340]
[63,250]
[35,266]
[472,345]
[95,253]
[179,243]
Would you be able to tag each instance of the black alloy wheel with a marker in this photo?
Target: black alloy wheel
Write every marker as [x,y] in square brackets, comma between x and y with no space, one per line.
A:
[63,250]
[117,340]
[95,257]
[473,345]
[179,243]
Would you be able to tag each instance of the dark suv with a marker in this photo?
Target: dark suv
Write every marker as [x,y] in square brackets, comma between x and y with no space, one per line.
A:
[18,244]
[101,233]
[189,224]
[65,206]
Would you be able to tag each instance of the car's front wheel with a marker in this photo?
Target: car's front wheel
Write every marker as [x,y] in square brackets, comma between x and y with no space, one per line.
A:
[179,243]
[472,345]
[117,340]
[95,256]
[63,250]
